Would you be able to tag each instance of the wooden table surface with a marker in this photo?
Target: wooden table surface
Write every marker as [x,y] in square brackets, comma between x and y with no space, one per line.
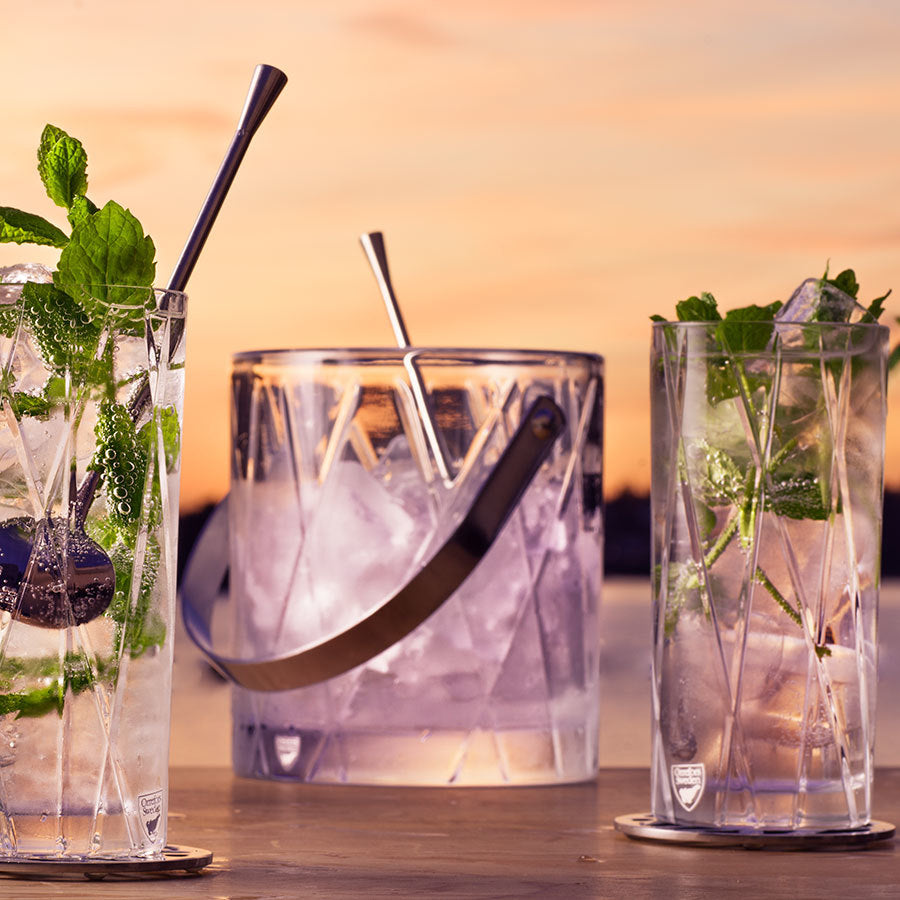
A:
[274,840]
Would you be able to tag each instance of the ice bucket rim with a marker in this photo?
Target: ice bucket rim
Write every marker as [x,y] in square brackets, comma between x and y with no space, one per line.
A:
[475,355]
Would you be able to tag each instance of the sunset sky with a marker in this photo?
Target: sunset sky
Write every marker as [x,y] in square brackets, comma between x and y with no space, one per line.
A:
[547,173]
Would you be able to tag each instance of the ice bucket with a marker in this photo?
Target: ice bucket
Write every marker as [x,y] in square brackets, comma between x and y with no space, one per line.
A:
[350,469]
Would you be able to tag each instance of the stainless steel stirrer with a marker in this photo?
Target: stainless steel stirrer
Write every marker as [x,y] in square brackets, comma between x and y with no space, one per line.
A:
[373,245]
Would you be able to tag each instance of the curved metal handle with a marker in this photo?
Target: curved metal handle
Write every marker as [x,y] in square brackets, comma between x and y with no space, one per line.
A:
[405,610]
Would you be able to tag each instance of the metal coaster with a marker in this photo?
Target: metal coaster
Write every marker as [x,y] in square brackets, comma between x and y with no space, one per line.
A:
[646,827]
[174,859]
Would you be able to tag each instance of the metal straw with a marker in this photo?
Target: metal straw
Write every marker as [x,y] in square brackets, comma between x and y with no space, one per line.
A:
[265,86]
[373,245]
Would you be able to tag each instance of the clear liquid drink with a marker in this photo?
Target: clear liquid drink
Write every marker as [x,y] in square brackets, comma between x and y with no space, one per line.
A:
[767,495]
[84,730]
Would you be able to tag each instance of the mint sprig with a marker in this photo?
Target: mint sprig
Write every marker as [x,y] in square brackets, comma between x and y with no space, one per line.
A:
[107,264]
[102,285]
[792,488]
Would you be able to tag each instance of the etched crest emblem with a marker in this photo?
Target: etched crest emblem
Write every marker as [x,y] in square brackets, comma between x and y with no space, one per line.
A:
[688,782]
[150,807]
[287,749]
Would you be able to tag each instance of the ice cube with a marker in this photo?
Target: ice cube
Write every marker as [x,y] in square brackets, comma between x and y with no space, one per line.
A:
[18,275]
[354,548]
[816,300]
[399,474]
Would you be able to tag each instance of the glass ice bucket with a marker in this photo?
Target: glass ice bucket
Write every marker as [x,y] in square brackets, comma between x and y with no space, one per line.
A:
[350,468]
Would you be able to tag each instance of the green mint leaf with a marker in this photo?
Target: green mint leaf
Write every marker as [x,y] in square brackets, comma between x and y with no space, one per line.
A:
[845,281]
[171,435]
[121,460]
[142,625]
[109,262]
[748,329]
[721,381]
[798,496]
[17,227]
[658,319]
[875,308]
[62,165]
[720,480]
[30,405]
[744,330]
[80,209]
[66,337]
[698,309]
[10,316]
[706,519]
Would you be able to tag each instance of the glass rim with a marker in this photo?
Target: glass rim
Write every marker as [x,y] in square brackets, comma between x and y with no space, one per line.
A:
[394,354]
[180,298]
[99,284]
[847,326]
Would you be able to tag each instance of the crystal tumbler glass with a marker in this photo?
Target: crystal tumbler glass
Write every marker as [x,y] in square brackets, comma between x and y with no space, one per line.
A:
[90,414]
[767,489]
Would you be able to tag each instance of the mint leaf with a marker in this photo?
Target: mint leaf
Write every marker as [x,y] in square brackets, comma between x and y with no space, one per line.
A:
[121,460]
[30,405]
[698,309]
[62,165]
[109,262]
[171,435]
[875,308]
[80,209]
[10,316]
[143,627]
[748,329]
[798,496]
[19,227]
[720,478]
[66,337]
[845,281]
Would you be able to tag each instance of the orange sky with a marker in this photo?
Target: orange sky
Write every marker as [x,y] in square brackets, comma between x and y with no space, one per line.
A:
[547,173]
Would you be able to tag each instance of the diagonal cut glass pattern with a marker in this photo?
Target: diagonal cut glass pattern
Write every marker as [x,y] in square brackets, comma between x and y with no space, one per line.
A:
[766,495]
[84,708]
[344,505]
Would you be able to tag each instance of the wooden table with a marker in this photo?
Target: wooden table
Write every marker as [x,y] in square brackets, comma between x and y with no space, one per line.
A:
[275,840]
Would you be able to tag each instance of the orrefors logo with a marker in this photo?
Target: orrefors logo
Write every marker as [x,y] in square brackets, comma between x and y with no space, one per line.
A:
[150,807]
[688,782]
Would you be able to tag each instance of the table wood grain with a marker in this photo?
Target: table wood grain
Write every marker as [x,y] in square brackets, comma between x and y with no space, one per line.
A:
[273,840]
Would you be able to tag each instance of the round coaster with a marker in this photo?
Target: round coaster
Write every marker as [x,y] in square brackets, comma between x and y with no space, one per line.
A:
[174,859]
[644,826]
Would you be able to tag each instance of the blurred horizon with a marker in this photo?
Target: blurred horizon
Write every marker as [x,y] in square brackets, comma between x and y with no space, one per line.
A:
[547,174]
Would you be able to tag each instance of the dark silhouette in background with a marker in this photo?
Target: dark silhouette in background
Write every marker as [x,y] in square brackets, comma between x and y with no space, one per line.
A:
[626,535]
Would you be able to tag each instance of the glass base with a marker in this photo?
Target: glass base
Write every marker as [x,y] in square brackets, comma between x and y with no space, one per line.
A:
[172,859]
[645,826]
[416,758]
